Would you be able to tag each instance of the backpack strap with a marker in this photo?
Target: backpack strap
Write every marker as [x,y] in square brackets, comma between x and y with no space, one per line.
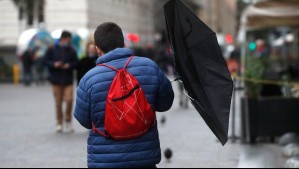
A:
[110,67]
[95,130]
[128,62]
[126,65]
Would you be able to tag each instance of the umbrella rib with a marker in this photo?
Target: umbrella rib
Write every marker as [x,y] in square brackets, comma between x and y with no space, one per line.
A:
[179,79]
[176,79]
[194,100]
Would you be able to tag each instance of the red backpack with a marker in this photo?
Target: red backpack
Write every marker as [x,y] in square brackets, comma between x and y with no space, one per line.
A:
[128,113]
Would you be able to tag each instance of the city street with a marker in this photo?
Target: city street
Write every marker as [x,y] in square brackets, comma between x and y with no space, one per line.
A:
[28,138]
[204,43]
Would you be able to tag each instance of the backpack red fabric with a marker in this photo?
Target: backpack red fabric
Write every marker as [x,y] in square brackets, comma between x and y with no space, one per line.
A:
[128,113]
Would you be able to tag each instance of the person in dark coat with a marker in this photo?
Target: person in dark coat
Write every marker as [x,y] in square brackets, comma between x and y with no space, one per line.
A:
[87,63]
[62,60]
[39,65]
[142,152]
[1,61]
[27,60]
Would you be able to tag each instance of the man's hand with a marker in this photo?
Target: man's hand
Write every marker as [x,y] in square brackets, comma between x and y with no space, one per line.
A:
[58,65]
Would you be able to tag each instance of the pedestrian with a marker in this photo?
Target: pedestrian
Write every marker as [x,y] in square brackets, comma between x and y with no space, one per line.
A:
[2,68]
[39,67]
[184,99]
[61,60]
[88,62]
[1,60]
[163,60]
[95,107]
[261,49]
[27,60]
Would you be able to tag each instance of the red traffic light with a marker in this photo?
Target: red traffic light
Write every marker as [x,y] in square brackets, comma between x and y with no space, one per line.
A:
[133,37]
[229,39]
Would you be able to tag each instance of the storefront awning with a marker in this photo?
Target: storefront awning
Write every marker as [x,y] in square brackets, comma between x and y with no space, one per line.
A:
[271,13]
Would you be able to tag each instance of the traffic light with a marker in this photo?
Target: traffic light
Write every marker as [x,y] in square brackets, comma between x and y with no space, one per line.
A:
[252,46]
[229,39]
[133,37]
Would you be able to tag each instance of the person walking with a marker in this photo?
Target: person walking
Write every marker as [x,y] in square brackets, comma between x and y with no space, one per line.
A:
[62,60]
[39,67]
[27,60]
[118,100]
[88,62]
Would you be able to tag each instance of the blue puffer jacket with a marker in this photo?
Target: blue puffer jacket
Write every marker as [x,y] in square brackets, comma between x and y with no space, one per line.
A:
[91,103]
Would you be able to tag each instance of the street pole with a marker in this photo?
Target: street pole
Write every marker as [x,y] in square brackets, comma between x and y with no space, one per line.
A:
[234,137]
[245,110]
[296,43]
[284,50]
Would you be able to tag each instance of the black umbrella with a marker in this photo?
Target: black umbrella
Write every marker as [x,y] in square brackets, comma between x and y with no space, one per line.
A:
[200,66]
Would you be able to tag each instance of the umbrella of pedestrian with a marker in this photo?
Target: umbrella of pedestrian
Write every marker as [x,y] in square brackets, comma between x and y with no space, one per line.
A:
[200,67]
[34,39]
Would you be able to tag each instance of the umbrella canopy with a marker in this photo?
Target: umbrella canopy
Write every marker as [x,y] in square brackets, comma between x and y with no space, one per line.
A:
[25,39]
[276,3]
[41,42]
[34,39]
[201,67]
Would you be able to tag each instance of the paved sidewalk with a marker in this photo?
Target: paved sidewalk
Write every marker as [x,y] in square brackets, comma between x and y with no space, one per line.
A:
[261,156]
[27,137]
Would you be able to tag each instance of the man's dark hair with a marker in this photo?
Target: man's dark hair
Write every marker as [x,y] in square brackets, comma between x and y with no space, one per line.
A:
[108,37]
[66,34]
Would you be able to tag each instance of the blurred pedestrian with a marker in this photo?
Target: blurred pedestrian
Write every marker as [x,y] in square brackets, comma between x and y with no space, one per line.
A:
[1,60]
[163,60]
[39,65]
[234,62]
[27,60]
[88,62]
[261,49]
[2,68]
[104,152]
[184,99]
[233,66]
[61,60]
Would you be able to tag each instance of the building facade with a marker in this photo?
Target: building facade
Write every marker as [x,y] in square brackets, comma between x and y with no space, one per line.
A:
[142,17]
[134,16]
[220,15]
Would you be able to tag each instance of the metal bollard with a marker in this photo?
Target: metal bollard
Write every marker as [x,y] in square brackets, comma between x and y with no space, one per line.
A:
[16,74]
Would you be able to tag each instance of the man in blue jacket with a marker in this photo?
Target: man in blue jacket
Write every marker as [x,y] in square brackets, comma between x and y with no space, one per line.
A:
[92,93]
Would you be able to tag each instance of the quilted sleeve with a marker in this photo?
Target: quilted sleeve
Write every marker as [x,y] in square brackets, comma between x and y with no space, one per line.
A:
[165,93]
[83,106]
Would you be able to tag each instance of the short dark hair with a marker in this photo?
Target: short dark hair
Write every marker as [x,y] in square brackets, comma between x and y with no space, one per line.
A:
[66,34]
[108,37]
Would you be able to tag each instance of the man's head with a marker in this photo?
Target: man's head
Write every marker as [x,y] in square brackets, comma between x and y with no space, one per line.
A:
[108,37]
[260,44]
[91,50]
[66,38]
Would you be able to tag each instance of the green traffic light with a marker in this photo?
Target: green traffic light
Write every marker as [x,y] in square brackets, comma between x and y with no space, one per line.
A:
[252,46]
